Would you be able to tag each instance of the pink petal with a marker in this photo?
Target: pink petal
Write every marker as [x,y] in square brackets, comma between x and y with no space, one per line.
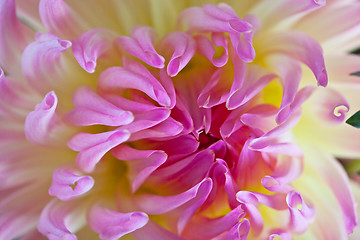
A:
[91,109]
[340,37]
[275,201]
[206,48]
[93,147]
[140,163]
[134,76]
[60,19]
[302,47]
[286,170]
[244,94]
[52,222]
[183,49]
[329,105]
[140,45]
[40,123]
[300,213]
[212,18]
[91,45]
[207,228]
[155,204]
[239,232]
[40,60]
[167,83]
[14,36]
[152,231]
[68,184]
[112,225]
[167,128]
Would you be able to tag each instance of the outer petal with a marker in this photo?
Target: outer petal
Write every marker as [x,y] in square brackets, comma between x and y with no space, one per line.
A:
[112,225]
[60,19]
[53,222]
[41,58]
[300,46]
[14,36]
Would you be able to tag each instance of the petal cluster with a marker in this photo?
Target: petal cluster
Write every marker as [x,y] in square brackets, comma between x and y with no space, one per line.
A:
[198,133]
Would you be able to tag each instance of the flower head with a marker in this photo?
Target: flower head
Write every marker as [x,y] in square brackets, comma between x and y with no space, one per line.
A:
[163,120]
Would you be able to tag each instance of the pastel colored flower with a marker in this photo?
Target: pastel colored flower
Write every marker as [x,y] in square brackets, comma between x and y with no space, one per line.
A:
[178,119]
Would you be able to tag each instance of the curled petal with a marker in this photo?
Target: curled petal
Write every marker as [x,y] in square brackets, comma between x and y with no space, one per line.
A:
[287,169]
[53,221]
[300,213]
[140,45]
[134,77]
[40,123]
[286,111]
[60,19]
[155,204]
[184,49]
[93,147]
[212,18]
[206,48]
[152,231]
[41,59]
[276,201]
[244,94]
[208,228]
[280,233]
[239,232]
[67,184]
[302,47]
[330,105]
[141,163]
[91,109]
[91,45]
[113,225]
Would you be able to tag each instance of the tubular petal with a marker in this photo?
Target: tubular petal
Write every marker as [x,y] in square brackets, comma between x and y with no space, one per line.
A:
[206,48]
[40,123]
[112,225]
[141,163]
[140,45]
[183,46]
[239,232]
[68,184]
[92,147]
[121,78]
[300,213]
[91,109]
[52,222]
[91,45]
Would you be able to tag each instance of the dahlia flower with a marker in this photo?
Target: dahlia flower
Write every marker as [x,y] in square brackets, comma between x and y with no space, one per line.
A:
[176,120]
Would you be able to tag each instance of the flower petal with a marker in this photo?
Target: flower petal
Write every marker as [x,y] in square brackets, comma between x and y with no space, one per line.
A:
[60,19]
[183,46]
[91,45]
[140,45]
[113,225]
[41,59]
[93,147]
[140,163]
[91,109]
[68,184]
